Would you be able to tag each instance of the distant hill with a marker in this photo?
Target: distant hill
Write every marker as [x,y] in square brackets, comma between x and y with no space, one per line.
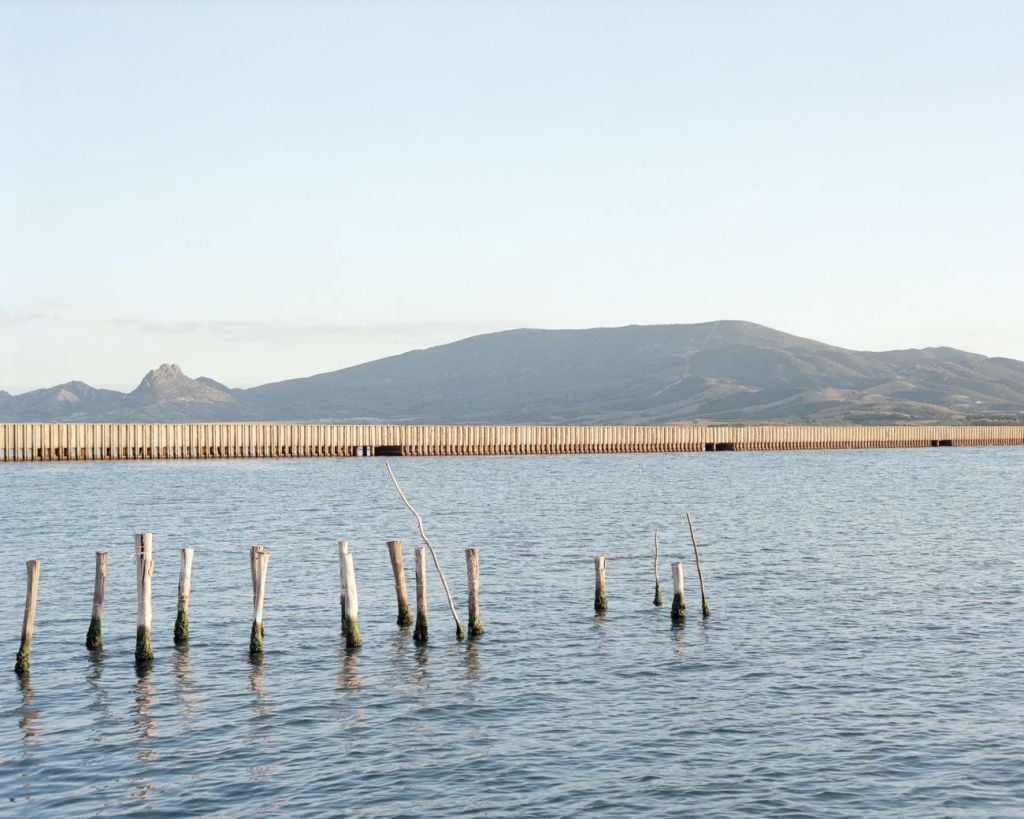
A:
[725,371]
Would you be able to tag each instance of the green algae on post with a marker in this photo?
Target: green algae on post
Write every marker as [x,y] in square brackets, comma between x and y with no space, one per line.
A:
[419,634]
[600,595]
[678,593]
[256,638]
[144,594]
[476,625]
[181,631]
[404,618]
[94,637]
[28,624]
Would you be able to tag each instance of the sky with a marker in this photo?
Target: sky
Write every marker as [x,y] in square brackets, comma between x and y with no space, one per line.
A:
[260,190]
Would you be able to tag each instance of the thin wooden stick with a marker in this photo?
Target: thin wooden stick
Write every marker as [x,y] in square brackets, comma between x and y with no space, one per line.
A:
[460,634]
[657,577]
[94,637]
[700,575]
[28,624]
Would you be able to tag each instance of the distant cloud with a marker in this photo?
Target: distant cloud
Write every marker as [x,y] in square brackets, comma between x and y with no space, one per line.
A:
[18,317]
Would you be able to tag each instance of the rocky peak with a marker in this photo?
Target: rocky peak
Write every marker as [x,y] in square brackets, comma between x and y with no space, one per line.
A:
[167,383]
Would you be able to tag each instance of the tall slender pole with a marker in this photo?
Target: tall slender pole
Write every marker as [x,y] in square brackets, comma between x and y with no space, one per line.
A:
[259,558]
[700,575]
[181,627]
[144,595]
[94,637]
[419,633]
[398,570]
[600,593]
[657,576]
[28,624]
[350,600]
[476,625]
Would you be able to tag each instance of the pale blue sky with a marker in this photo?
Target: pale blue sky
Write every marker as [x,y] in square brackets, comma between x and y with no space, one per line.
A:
[264,190]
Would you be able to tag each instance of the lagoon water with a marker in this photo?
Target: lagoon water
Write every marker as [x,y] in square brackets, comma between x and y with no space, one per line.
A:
[864,654]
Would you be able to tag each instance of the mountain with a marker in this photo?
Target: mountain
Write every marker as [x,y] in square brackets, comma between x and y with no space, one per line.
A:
[724,371]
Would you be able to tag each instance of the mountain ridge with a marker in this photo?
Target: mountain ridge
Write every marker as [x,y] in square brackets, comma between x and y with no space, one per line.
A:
[720,372]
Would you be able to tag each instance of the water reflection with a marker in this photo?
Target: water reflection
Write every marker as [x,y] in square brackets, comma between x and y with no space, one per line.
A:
[420,672]
[257,686]
[679,638]
[184,684]
[27,714]
[145,729]
[471,660]
[349,677]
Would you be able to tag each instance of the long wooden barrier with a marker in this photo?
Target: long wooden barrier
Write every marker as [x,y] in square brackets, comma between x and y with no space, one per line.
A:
[105,442]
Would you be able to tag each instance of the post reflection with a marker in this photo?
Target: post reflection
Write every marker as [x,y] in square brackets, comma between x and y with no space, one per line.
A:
[145,730]
[27,714]
[471,660]
[349,678]
[184,684]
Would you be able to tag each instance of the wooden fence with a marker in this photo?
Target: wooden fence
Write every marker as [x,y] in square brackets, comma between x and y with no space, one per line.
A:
[89,442]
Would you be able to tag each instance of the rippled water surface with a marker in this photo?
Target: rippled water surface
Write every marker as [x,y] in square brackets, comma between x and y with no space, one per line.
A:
[863,656]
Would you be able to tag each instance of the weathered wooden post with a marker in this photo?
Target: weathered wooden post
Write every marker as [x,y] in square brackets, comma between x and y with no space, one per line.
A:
[144,594]
[678,593]
[349,598]
[258,560]
[342,549]
[398,569]
[184,592]
[600,595]
[700,575]
[419,633]
[657,576]
[476,626]
[94,637]
[28,624]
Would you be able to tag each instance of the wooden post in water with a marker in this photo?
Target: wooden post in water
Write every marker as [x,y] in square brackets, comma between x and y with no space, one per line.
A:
[398,569]
[657,576]
[476,626]
[28,624]
[600,594]
[144,594]
[258,560]
[700,574]
[342,549]
[419,634]
[349,598]
[678,593]
[94,637]
[184,592]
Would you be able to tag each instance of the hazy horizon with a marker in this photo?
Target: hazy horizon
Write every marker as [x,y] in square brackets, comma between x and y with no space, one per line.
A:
[265,191]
